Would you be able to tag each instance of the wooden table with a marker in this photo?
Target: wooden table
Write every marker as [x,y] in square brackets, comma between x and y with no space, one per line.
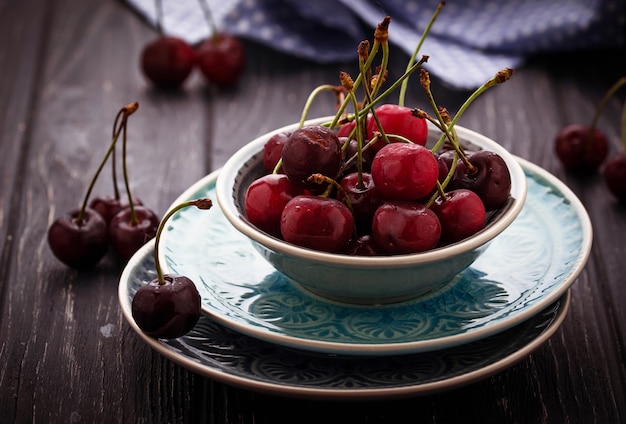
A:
[67,354]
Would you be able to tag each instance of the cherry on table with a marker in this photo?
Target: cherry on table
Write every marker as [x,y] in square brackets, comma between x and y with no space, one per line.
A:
[131,228]
[221,58]
[579,149]
[109,206]
[79,240]
[167,61]
[614,174]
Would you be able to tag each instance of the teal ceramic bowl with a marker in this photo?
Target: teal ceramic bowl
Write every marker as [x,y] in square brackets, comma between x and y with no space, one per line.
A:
[359,279]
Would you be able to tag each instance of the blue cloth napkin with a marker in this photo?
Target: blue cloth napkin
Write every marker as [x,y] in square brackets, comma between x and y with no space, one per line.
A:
[470,41]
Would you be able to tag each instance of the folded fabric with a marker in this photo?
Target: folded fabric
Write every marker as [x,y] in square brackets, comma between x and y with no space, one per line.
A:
[470,41]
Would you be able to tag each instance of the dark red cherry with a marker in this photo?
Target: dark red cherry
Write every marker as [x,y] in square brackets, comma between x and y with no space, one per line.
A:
[167,61]
[461,214]
[405,227]
[77,244]
[109,206]
[273,149]
[403,171]
[398,120]
[311,150]
[363,246]
[265,200]
[222,59]
[366,157]
[579,150]
[490,178]
[346,129]
[614,174]
[168,310]
[363,196]
[127,236]
[317,223]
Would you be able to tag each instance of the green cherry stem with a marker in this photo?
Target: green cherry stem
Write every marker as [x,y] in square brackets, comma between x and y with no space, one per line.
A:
[348,84]
[312,96]
[126,110]
[605,99]
[133,215]
[405,83]
[203,203]
[208,16]
[158,4]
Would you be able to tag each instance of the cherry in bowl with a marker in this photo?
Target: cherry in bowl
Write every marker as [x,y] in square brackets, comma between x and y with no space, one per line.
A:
[364,279]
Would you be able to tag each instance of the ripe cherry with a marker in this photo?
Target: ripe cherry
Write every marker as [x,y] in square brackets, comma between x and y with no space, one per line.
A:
[614,174]
[79,240]
[273,149]
[401,227]
[404,171]
[363,246]
[131,228]
[363,197]
[398,120]
[461,214]
[310,150]
[318,223]
[489,177]
[109,206]
[265,200]
[168,306]
[580,150]
[167,61]
[221,59]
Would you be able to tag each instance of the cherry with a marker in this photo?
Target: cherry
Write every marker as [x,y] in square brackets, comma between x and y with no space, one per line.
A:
[79,240]
[109,206]
[579,149]
[131,228]
[309,150]
[401,227]
[363,246]
[265,200]
[461,214]
[273,149]
[397,120]
[404,171]
[318,223]
[221,59]
[351,151]
[167,61]
[168,306]
[363,197]
[614,174]
[488,177]
[346,129]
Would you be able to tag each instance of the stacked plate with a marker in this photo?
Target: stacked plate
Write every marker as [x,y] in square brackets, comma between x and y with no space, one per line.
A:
[261,332]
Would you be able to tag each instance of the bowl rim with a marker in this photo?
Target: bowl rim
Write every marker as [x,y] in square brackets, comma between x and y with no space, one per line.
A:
[231,169]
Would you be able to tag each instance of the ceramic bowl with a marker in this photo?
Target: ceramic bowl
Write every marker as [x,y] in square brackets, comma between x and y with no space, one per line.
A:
[361,279]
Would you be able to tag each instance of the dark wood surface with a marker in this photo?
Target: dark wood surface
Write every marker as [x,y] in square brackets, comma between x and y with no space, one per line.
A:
[66,353]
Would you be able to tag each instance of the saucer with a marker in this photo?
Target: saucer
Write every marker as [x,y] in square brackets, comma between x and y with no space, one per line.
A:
[217,352]
[524,270]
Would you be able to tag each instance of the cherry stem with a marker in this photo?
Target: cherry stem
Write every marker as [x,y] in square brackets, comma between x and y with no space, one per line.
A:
[159,16]
[348,84]
[605,99]
[623,127]
[209,18]
[203,203]
[382,36]
[307,105]
[133,215]
[405,83]
[126,110]
[115,135]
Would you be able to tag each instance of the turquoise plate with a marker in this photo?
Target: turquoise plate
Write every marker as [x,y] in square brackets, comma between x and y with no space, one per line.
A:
[524,270]
[215,351]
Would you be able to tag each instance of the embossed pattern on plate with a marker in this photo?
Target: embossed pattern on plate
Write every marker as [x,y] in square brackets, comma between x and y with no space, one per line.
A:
[525,269]
[218,352]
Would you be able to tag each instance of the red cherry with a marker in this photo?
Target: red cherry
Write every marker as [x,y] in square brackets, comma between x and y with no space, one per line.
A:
[168,310]
[167,61]
[403,171]
[363,197]
[127,236]
[398,120]
[265,200]
[77,244]
[318,223]
[578,150]
[345,129]
[614,174]
[273,150]
[221,59]
[109,206]
[363,246]
[461,214]
[405,227]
